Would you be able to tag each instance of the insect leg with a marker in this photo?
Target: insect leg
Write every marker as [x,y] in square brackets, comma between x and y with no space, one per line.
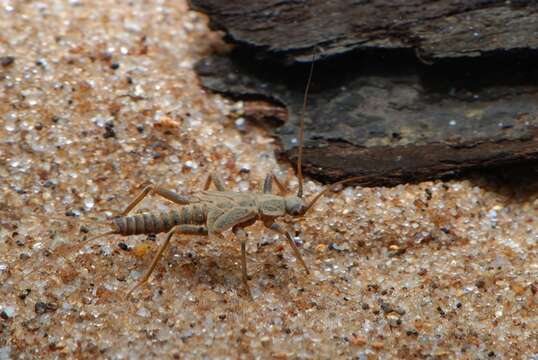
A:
[167,194]
[281,187]
[137,200]
[172,196]
[231,218]
[216,180]
[182,229]
[268,184]
[278,228]
[242,236]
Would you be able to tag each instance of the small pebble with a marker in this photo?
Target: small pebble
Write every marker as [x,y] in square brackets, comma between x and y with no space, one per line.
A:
[44,307]
[7,312]
[5,61]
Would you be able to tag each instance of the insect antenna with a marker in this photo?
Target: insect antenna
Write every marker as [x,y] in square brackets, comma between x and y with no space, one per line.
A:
[301,129]
[327,189]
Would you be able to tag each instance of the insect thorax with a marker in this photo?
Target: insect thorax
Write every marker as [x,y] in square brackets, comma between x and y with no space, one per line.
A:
[272,205]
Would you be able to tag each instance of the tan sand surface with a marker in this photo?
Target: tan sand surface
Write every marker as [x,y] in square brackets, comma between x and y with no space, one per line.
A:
[98,100]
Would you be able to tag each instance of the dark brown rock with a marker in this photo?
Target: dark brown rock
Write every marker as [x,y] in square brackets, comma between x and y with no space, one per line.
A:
[435,29]
[392,119]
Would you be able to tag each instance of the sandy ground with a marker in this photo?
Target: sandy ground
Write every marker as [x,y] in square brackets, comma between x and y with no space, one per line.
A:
[97,101]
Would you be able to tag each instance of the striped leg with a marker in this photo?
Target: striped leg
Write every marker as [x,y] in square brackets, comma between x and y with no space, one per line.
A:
[278,228]
[219,184]
[181,229]
[281,187]
[268,185]
[242,236]
[152,189]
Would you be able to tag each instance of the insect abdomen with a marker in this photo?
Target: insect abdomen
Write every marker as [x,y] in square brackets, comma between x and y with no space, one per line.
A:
[150,223]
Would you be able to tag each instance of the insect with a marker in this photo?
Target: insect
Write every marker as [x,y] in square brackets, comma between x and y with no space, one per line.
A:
[211,213]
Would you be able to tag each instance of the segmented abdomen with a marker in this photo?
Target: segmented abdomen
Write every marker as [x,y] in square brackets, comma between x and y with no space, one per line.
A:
[150,223]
